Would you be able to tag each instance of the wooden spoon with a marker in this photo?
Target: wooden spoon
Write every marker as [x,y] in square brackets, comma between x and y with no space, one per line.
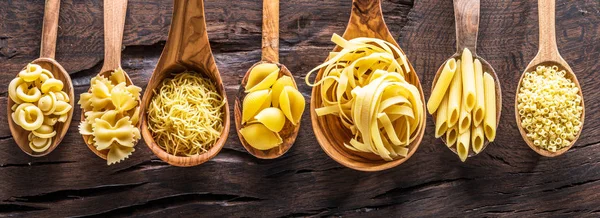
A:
[548,55]
[46,61]
[270,54]
[466,14]
[366,20]
[187,48]
[114,24]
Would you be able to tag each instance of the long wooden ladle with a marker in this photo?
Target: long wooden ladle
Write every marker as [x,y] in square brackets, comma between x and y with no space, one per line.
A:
[466,15]
[115,12]
[366,20]
[270,54]
[548,55]
[46,61]
[187,48]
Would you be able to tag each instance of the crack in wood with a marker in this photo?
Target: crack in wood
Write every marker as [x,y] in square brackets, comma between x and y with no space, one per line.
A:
[19,208]
[30,164]
[152,164]
[407,190]
[571,185]
[300,171]
[71,194]
[178,201]
[309,213]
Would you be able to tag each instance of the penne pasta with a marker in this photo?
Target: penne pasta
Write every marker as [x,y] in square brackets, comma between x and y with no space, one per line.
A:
[464,121]
[455,96]
[441,86]
[462,145]
[468,80]
[478,112]
[477,137]
[451,135]
[441,120]
[489,123]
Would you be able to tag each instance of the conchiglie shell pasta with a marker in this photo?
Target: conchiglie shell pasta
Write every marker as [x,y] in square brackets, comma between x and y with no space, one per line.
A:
[252,100]
[262,76]
[260,137]
[278,88]
[273,118]
[292,104]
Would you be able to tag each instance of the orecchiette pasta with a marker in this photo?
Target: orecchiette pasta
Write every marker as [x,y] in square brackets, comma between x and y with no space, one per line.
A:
[40,103]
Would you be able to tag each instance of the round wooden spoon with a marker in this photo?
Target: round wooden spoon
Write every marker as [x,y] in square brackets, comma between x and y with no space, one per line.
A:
[366,20]
[548,55]
[46,61]
[114,24]
[187,48]
[270,54]
[466,14]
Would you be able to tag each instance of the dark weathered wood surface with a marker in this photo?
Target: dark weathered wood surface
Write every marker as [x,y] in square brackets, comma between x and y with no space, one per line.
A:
[507,179]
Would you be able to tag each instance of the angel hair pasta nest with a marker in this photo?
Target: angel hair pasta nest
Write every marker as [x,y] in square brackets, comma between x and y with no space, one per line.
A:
[186,114]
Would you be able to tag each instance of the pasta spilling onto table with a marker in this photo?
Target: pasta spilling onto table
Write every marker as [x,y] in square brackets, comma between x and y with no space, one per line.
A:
[111,110]
[40,103]
[271,102]
[185,115]
[463,101]
[364,85]
[549,107]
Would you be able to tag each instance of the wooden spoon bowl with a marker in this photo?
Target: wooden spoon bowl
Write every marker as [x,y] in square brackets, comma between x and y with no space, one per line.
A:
[366,20]
[288,133]
[270,54]
[466,14]
[187,48]
[486,68]
[548,55]
[20,135]
[103,154]
[114,24]
[46,61]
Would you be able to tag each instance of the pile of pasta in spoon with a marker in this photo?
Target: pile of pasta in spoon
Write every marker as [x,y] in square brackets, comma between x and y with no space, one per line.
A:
[111,110]
[365,85]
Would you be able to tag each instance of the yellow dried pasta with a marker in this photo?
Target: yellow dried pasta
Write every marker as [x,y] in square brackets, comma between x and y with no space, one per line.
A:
[364,85]
[40,103]
[550,108]
[279,100]
[185,115]
[111,111]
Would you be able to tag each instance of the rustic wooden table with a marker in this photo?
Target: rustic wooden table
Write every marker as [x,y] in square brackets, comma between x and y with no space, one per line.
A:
[507,179]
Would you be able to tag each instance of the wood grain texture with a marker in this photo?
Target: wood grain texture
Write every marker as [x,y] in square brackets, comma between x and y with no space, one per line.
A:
[270,31]
[50,29]
[507,179]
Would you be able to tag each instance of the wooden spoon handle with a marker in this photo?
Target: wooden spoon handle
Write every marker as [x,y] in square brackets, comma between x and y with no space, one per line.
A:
[546,14]
[50,29]
[114,24]
[270,31]
[466,15]
[366,20]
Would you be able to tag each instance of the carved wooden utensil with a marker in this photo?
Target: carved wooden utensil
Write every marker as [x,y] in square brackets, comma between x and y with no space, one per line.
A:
[366,20]
[548,55]
[270,54]
[46,61]
[187,48]
[114,24]
[466,15]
